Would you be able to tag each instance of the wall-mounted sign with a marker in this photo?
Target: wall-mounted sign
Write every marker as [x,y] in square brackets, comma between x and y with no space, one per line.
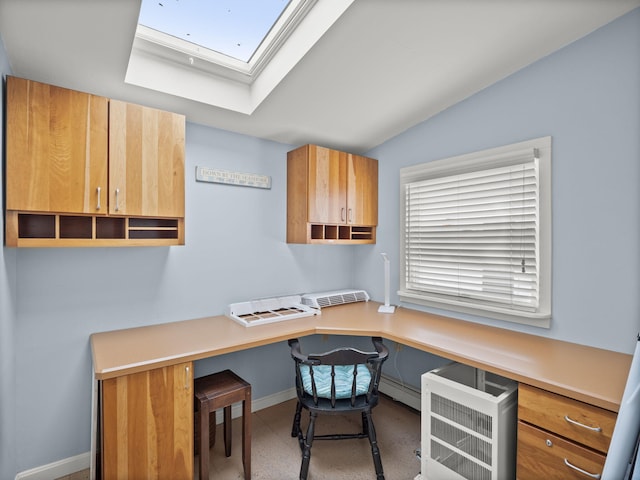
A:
[214,175]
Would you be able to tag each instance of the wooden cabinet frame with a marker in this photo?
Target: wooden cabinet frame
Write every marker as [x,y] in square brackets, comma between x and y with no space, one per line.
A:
[83,170]
[332,196]
[147,424]
[560,437]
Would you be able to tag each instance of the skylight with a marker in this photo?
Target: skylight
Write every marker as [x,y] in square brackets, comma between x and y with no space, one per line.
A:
[232,27]
[227,53]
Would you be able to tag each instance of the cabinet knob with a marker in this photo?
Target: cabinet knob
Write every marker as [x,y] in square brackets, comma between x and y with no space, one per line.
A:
[549,443]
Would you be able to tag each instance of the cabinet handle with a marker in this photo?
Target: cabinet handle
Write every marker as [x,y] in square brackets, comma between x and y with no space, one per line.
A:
[593,429]
[342,214]
[117,193]
[187,383]
[350,216]
[584,472]
[98,193]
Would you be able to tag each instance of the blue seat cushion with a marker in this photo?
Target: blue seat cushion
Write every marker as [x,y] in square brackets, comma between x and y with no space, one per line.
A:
[344,380]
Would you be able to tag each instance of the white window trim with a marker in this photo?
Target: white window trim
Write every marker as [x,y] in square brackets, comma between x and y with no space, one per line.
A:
[488,159]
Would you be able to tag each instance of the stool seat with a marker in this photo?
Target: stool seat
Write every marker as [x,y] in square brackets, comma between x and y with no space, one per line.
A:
[221,390]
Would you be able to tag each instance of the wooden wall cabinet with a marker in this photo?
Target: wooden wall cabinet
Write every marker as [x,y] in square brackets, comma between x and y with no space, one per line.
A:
[146,161]
[332,196]
[560,438]
[147,424]
[56,149]
[83,170]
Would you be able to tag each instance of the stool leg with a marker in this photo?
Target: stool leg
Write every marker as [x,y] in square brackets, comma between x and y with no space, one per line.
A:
[227,431]
[246,436]
[213,418]
[204,440]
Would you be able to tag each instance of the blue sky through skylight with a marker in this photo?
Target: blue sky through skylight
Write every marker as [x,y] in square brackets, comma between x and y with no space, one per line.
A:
[232,27]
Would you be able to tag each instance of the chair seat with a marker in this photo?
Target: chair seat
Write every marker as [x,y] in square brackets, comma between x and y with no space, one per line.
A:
[344,405]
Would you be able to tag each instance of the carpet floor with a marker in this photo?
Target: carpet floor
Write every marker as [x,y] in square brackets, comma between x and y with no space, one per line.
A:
[276,455]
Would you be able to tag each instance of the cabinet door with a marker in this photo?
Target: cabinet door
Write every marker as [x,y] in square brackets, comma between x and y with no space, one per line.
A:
[147,424]
[146,161]
[327,186]
[362,204]
[56,149]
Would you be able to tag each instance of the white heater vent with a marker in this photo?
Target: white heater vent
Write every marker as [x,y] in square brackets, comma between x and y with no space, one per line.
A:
[469,424]
[339,297]
[269,310]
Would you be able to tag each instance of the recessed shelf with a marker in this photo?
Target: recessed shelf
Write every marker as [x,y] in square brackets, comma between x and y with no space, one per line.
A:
[36,226]
[75,227]
[108,227]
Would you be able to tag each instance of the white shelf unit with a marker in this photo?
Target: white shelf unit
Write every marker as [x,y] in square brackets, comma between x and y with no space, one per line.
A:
[469,420]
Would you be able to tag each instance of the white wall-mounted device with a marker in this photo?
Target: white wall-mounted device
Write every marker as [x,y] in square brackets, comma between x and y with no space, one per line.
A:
[386,308]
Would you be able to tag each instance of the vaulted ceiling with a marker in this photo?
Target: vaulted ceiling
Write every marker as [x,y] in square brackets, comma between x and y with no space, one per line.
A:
[359,79]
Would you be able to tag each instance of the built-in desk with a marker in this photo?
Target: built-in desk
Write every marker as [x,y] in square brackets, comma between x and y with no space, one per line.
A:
[154,362]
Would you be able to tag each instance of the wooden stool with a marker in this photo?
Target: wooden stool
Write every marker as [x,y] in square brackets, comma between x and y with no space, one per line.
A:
[221,390]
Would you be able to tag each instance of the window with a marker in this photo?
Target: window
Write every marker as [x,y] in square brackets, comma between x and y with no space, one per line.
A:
[476,233]
[203,60]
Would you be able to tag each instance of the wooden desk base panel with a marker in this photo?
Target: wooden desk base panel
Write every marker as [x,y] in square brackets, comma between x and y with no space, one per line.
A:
[147,424]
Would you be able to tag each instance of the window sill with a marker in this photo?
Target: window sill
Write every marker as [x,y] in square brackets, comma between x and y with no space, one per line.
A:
[540,319]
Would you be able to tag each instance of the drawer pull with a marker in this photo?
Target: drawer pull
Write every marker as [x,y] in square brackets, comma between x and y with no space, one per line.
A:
[584,472]
[593,429]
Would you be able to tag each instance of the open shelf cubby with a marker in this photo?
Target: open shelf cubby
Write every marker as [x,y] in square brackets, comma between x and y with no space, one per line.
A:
[347,234]
[64,230]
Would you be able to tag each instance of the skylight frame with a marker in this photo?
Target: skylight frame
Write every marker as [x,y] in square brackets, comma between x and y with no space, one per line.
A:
[171,48]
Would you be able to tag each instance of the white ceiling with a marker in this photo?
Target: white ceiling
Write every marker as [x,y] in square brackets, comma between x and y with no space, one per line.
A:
[382,67]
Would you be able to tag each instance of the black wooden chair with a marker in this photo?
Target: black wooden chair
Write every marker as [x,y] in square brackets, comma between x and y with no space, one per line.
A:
[340,381]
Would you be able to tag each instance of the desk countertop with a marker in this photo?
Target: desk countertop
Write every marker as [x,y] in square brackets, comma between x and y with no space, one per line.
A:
[584,373]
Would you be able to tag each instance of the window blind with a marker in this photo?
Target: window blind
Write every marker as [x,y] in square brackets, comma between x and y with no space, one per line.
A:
[473,236]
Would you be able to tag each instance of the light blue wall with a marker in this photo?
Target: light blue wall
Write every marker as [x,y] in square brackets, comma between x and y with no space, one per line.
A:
[7,323]
[586,96]
[235,251]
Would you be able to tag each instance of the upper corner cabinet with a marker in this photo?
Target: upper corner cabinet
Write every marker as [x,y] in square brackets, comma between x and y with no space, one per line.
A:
[332,196]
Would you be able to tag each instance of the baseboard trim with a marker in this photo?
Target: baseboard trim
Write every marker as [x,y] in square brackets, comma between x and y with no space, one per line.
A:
[63,467]
[70,465]
[388,385]
[400,391]
[261,403]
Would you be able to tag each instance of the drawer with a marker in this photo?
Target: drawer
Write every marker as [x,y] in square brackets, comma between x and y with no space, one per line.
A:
[557,414]
[544,455]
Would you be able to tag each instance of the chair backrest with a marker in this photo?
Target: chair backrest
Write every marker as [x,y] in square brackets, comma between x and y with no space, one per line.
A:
[339,374]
